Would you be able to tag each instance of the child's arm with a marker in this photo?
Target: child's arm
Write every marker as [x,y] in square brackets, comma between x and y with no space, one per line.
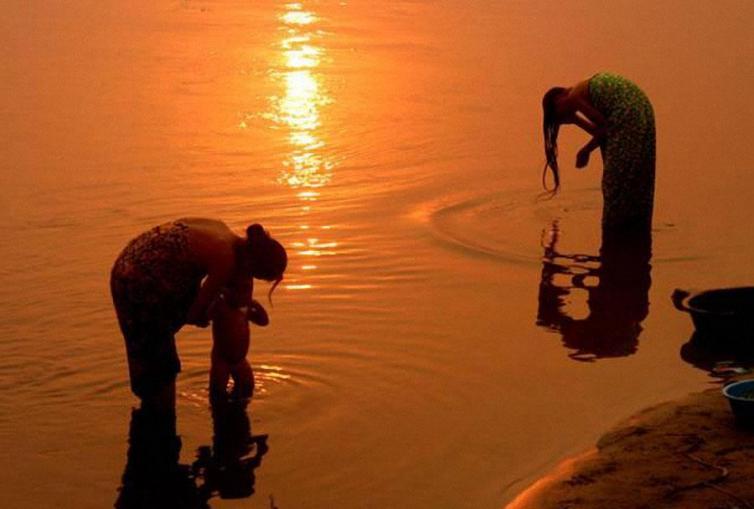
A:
[257,314]
[239,295]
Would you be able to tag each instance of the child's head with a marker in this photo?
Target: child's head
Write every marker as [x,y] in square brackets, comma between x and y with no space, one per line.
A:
[268,257]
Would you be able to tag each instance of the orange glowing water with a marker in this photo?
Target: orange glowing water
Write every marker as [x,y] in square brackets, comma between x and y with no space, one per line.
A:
[395,149]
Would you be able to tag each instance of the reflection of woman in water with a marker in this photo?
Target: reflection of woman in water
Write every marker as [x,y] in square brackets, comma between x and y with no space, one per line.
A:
[154,479]
[620,119]
[157,287]
[618,302]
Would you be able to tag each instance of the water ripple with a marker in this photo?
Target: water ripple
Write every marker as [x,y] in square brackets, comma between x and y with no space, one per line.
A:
[508,226]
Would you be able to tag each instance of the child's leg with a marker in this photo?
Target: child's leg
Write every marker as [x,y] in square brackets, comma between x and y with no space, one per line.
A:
[243,379]
[219,374]
[230,335]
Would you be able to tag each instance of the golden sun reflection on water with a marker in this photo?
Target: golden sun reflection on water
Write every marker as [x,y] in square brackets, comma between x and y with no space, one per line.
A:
[307,167]
[297,16]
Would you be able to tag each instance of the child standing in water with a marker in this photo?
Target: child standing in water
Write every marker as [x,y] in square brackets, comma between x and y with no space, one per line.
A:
[620,119]
[231,314]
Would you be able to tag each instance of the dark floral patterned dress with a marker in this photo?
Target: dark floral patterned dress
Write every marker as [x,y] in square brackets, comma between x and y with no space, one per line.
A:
[628,152]
[153,282]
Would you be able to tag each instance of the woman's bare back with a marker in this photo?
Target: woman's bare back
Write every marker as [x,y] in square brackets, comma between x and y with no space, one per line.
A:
[216,248]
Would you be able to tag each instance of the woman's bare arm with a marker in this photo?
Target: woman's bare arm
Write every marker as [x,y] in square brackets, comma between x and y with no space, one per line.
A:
[216,254]
[214,282]
[576,108]
[595,124]
[581,111]
[585,124]
[586,108]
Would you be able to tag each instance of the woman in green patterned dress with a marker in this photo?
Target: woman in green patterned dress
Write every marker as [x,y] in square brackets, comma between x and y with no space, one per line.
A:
[620,119]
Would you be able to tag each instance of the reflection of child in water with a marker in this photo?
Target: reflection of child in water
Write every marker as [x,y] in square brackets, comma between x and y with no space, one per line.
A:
[232,312]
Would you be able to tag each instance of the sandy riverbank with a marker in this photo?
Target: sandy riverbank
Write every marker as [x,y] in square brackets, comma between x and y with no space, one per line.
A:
[686,454]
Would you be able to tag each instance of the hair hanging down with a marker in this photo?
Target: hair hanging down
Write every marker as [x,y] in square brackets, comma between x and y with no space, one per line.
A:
[270,257]
[550,127]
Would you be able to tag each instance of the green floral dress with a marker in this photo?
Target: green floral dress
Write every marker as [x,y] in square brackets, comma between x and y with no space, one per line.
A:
[628,152]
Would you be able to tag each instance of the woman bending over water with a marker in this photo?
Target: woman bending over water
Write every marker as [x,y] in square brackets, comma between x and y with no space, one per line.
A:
[620,119]
[156,285]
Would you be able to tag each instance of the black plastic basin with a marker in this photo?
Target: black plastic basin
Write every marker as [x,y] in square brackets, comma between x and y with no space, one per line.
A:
[725,314]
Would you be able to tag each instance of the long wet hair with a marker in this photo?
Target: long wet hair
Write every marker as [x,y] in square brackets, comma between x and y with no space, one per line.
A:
[550,128]
[269,259]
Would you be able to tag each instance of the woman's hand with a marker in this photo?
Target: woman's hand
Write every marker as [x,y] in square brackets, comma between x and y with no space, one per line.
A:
[582,157]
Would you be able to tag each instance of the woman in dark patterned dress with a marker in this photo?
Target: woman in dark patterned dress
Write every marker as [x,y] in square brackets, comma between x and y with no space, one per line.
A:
[158,284]
[620,119]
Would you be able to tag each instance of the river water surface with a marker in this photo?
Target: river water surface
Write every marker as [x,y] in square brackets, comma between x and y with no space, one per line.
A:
[443,336]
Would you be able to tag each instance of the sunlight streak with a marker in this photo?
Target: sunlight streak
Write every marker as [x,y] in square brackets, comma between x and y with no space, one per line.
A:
[307,166]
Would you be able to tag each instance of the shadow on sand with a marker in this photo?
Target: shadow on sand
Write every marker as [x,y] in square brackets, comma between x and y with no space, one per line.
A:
[718,358]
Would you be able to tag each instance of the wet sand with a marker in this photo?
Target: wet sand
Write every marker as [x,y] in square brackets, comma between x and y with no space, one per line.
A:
[686,453]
